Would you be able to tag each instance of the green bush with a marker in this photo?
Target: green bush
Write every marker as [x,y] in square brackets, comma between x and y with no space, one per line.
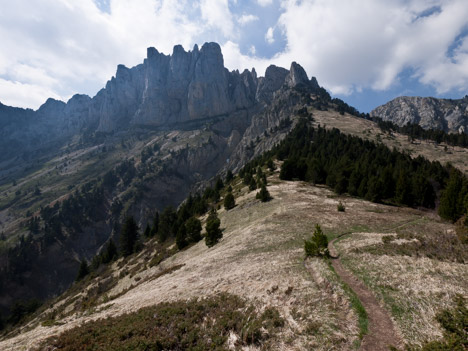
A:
[340,207]
[263,195]
[198,324]
[213,232]
[229,201]
[193,227]
[318,244]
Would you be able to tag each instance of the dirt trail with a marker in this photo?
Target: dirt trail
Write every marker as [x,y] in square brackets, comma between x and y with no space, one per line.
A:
[381,334]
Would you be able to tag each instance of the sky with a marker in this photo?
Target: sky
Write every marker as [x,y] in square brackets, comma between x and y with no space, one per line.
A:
[365,52]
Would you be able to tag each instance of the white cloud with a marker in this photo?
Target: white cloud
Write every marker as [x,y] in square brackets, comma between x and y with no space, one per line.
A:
[24,95]
[58,48]
[71,46]
[366,43]
[216,13]
[245,19]
[269,36]
[264,2]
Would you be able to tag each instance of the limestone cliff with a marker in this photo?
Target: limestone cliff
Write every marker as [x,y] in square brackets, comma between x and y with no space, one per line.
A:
[430,113]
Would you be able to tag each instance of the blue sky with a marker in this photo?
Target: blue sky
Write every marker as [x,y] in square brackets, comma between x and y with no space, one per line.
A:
[365,52]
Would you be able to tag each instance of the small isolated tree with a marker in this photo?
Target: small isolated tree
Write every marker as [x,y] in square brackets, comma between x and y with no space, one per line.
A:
[83,271]
[213,232]
[181,237]
[229,201]
[318,244]
[263,195]
[340,207]
[128,237]
[193,227]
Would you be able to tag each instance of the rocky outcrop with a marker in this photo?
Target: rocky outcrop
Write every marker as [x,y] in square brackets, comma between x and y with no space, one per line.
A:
[173,89]
[430,113]
[163,91]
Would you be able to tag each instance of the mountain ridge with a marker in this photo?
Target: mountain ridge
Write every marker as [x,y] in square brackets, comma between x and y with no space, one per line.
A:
[449,115]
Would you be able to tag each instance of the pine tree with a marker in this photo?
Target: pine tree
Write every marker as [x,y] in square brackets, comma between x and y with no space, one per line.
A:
[448,208]
[166,223]
[181,237]
[318,244]
[403,193]
[219,184]
[110,252]
[193,227]
[229,176]
[83,271]
[229,201]
[213,231]
[252,184]
[128,237]
[155,227]
[271,166]
[263,195]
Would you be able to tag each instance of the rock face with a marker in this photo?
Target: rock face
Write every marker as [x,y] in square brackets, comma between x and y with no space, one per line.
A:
[430,113]
[160,92]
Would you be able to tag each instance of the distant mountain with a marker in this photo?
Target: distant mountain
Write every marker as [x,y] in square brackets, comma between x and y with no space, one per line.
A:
[430,113]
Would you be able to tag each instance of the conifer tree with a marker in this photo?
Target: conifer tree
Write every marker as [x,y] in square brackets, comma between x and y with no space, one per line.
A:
[128,237]
[229,201]
[318,244]
[83,271]
[181,237]
[155,227]
[449,208]
[403,193]
[271,166]
[252,184]
[110,252]
[166,223]
[219,184]
[213,231]
[229,176]
[263,195]
[193,227]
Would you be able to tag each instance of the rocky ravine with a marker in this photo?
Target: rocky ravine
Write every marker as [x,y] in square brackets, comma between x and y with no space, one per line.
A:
[430,113]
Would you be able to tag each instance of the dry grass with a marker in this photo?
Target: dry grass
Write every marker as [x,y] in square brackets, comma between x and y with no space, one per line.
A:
[260,259]
[369,130]
[413,289]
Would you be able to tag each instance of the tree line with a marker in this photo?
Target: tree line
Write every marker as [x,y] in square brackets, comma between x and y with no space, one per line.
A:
[365,169]
[415,131]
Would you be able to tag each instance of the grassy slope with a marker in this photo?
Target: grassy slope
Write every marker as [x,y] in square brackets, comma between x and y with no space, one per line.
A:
[369,130]
[75,167]
[260,258]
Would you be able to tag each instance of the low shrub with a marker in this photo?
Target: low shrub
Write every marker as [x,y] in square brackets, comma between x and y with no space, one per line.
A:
[203,324]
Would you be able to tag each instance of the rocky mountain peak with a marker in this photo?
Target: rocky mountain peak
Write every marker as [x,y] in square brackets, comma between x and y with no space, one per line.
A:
[449,115]
[296,75]
[162,91]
